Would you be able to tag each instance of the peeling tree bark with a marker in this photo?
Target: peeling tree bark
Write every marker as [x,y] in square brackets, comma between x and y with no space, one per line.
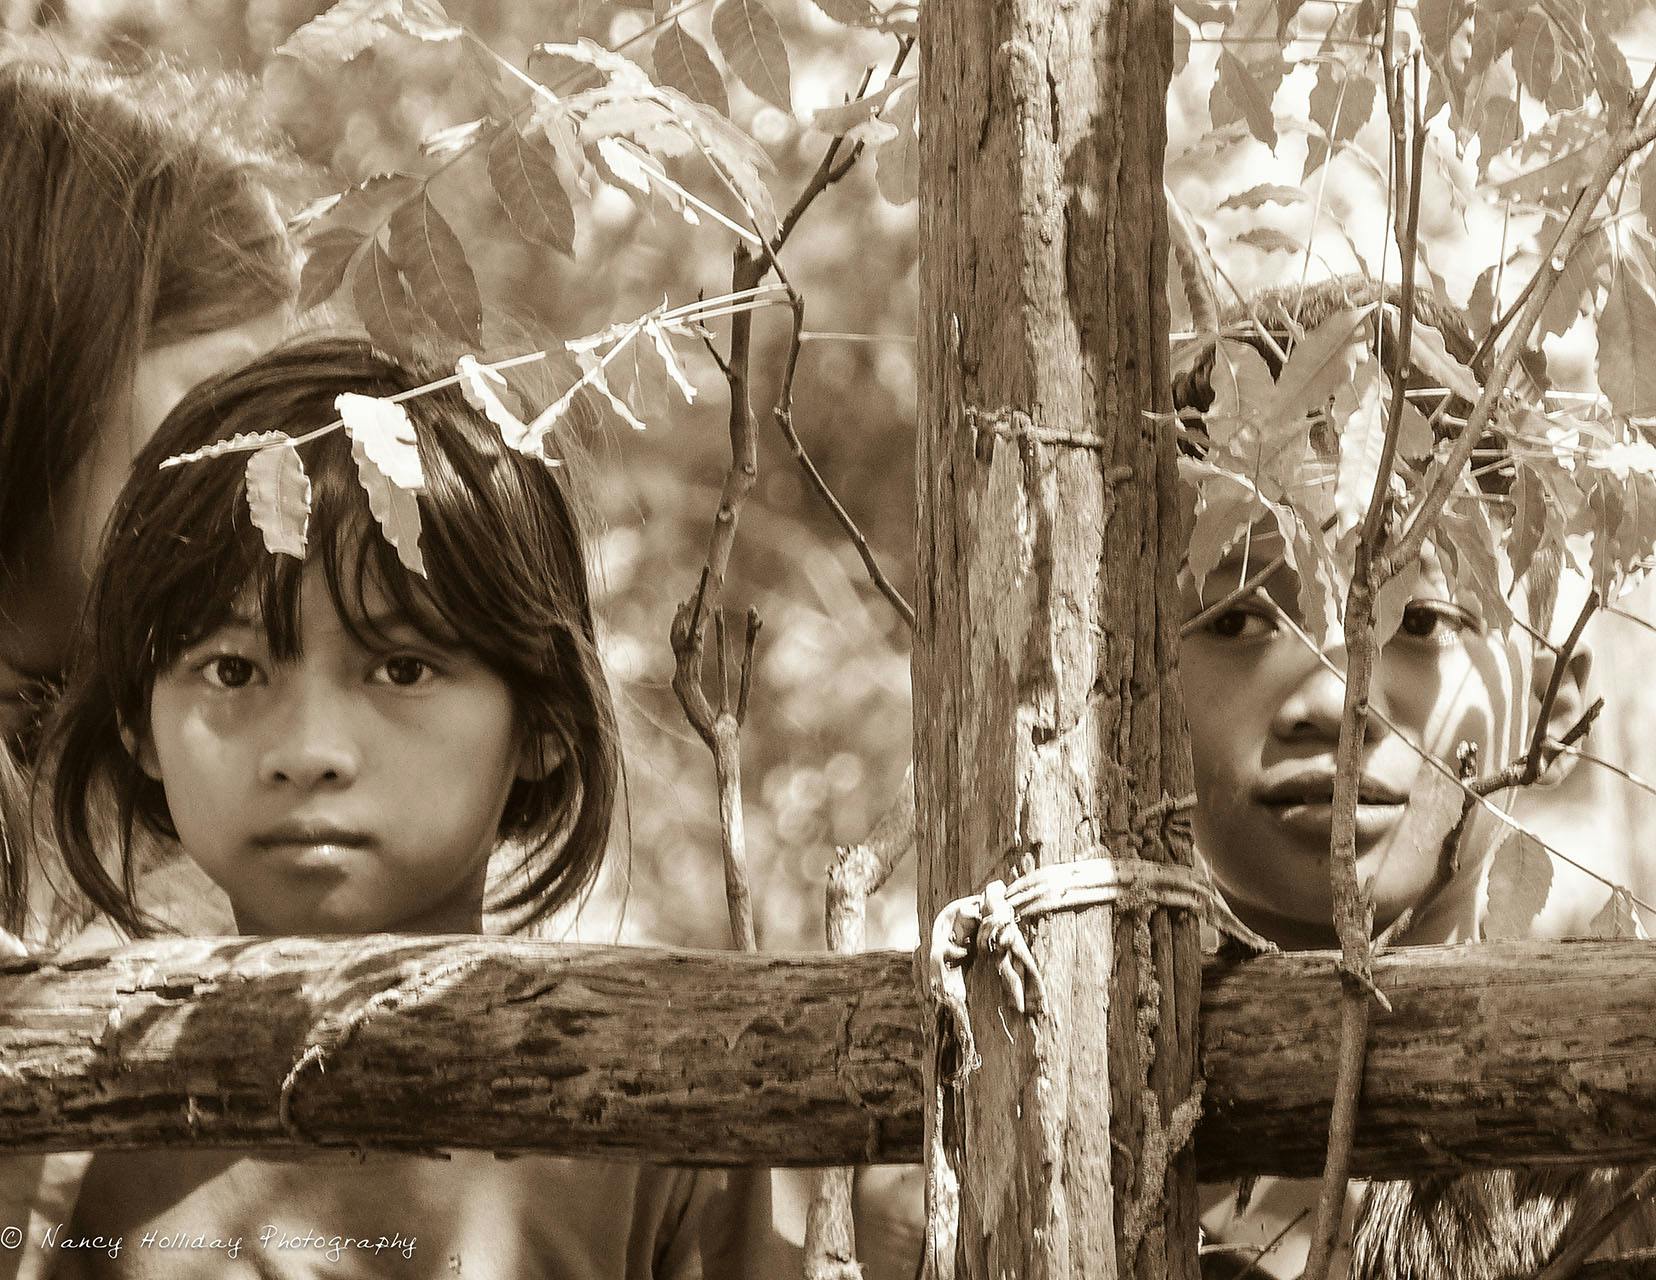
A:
[1046,727]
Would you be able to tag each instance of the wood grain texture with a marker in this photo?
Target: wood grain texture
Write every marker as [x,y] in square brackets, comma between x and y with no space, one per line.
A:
[1498,1054]
[1046,727]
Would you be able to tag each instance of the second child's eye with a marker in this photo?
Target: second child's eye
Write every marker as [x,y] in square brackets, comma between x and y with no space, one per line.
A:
[1241,624]
[229,671]
[403,670]
[1432,621]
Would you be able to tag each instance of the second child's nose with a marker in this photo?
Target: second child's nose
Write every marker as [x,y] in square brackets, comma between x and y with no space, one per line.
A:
[1313,709]
[313,744]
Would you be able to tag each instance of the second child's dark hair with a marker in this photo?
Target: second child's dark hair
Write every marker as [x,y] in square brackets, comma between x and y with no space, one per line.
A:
[507,579]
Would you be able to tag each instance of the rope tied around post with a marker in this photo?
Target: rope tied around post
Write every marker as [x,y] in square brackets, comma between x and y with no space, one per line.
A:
[989,923]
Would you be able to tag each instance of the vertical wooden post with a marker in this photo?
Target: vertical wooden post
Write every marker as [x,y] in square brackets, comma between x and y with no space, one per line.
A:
[1047,725]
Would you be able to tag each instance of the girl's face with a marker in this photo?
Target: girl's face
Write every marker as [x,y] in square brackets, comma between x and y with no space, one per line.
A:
[39,607]
[1264,715]
[357,788]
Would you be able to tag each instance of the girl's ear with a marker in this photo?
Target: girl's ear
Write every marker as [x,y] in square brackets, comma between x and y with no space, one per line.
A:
[142,750]
[540,754]
[1569,703]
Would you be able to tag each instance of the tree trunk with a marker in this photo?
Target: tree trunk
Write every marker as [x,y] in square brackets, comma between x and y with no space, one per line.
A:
[1499,1054]
[1046,726]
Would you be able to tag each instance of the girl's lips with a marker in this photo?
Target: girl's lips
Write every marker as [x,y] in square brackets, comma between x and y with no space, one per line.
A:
[1315,818]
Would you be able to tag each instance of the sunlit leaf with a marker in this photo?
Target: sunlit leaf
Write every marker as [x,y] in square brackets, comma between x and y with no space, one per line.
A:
[1500,124]
[584,53]
[1360,427]
[1576,292]
[425,20]
[1627,347]
[382,302]
[1428,353]
[625,164]
[680,61]
[738,160]
[1535,55]
[751,42]
[434,263]
[328,254]
[447,143]
[1270,240]
[525,180]
[383,432]
[341,32]
[845,117]
[395,509]
[1519,880]
[478,384]
[663,346]
[279,499]
[1225,506]
[594,378]
[1392,599]
[897,163]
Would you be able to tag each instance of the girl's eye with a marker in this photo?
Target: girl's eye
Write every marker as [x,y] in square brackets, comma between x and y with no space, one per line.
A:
[1432,620]
[1242,624]
[403,670]
[229,671]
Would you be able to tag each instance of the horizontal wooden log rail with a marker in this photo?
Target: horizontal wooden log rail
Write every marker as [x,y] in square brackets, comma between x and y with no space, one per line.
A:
[1495,1054]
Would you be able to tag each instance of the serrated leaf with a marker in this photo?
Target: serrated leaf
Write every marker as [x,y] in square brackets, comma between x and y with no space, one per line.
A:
[1236,87]
[1576,292]
[525,180]
[242,442]
[477,384]
[1225,507]
[840,120]
[374,194]
[311,212]
[1500,124]
[736,158]
[680,61]
[611,67]
[1520,879]
[593,373]
[341,32]
[751,42]
[382,430]
[382,302]
[897,162]
[1264,193]
[669,358]
[1324,360]
[394,508]
[425,20]
[328,256]
[1241,382]
[1429,353]
[1616,918]
[1626,361]
[433,261]
[1270,240]
[1535,55]
[624,163]
[1465,529]
[1360,426]
[1340,105]
[279,499]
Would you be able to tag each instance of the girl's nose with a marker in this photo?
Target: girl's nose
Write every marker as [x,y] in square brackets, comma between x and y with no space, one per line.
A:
[313,744]
[1314,706]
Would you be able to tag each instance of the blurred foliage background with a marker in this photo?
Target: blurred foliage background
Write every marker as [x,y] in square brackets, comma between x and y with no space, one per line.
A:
[829,734]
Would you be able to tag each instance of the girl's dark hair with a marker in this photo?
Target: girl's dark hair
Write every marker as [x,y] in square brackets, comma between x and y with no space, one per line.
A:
[503,547]
[135,210]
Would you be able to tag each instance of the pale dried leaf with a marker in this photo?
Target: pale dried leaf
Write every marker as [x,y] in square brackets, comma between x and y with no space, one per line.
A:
[341,32]
[669,358]
[395,509]
[382,431]
[1360,427]
[244,442]
[279,499]
[477,384]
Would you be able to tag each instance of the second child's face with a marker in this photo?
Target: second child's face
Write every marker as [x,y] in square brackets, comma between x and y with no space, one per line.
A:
[351,790]
[1264,717]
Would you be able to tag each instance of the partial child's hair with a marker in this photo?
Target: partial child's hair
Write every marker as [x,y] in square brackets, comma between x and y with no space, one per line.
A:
[135,210]
[503,547]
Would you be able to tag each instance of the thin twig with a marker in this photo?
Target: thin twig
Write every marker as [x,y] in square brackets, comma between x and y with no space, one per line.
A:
[1353,911]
